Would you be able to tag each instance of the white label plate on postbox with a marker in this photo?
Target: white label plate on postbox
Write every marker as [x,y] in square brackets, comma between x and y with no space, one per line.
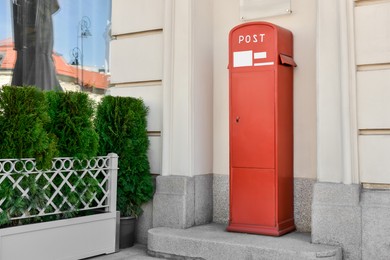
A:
[248,59]
[242,59]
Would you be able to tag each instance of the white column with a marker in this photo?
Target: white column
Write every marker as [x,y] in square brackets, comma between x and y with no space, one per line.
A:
[336,93]
[187,83]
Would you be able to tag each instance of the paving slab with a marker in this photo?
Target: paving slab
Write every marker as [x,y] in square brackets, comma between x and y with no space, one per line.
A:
[136,252]
[212,242]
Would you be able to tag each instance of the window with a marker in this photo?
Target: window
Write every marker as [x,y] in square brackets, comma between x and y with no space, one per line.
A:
[57,44]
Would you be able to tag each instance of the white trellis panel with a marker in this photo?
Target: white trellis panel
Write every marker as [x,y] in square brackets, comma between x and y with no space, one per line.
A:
[66,177]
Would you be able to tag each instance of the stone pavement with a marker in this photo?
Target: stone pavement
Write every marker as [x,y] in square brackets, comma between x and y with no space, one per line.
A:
[137,252]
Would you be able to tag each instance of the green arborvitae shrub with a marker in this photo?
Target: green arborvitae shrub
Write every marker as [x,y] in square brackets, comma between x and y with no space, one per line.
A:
[71,116]
[23,123]
[121,124]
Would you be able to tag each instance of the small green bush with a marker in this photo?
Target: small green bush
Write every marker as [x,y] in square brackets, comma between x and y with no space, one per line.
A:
[121,124]
[23,123]
[71,116]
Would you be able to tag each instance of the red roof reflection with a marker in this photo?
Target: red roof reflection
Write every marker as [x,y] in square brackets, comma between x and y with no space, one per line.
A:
[72,72]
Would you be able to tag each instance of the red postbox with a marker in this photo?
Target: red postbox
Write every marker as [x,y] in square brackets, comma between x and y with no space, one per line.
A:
[261,129]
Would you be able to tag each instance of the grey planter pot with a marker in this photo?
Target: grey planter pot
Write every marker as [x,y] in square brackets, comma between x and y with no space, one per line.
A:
[127,232]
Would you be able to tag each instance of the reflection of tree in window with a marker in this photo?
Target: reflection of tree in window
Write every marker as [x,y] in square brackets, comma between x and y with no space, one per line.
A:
[1,58]
[33,35]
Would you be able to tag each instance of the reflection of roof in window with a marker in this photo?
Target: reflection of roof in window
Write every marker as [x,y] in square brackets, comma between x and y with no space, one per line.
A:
[90,78]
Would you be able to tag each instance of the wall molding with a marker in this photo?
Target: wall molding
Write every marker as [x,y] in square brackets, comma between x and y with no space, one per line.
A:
[370,2]
[136,34]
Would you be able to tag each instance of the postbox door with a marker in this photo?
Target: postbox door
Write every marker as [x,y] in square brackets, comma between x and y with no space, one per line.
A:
[253,197]
[253,121]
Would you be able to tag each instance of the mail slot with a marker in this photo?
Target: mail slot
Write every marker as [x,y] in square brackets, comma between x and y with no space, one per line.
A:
[261,129]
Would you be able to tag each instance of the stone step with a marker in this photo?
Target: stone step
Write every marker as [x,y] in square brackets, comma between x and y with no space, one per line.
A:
[212,242]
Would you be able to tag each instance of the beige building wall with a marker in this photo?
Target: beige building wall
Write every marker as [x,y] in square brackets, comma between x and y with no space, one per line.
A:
[188,89]
[175,57]
[353,70]
[137,62]
[373,89]
[302,23]
[162,52]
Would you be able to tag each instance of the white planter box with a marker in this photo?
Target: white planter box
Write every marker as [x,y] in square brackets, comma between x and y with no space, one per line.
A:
[74,238]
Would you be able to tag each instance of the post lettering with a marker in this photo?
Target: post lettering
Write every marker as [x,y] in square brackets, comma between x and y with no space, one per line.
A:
[262,37]
[240,38]
[255,38]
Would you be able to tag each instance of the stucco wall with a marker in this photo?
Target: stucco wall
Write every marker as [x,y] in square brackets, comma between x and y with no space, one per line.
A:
[137,62]
[302,23]
[372,40]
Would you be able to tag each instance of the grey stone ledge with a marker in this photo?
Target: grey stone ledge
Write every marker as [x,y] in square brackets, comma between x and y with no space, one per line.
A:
[174,185]
[336,194]
[212,242]
[375,198]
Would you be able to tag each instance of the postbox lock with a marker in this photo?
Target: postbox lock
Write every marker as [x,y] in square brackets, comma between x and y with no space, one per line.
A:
[237,119]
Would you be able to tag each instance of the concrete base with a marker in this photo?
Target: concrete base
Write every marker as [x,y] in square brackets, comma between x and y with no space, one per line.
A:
[144,223]
[303,198]
[221,198]
[336,217]
[375,224]
[213,242]
[182,202]
[303,194]
[175,195]
[343,216]
[203,199]
[357,220]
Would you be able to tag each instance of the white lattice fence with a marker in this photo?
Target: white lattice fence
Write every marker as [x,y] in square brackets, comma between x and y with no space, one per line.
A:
[70,185]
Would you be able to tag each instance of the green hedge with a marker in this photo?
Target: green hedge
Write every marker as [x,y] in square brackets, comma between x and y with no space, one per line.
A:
[43,125]
[71,116]
[23,125]
[46,124]
[121,124]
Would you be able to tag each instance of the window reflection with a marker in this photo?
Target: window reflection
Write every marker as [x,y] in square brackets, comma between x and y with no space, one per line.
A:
[56,44]
[33,42]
